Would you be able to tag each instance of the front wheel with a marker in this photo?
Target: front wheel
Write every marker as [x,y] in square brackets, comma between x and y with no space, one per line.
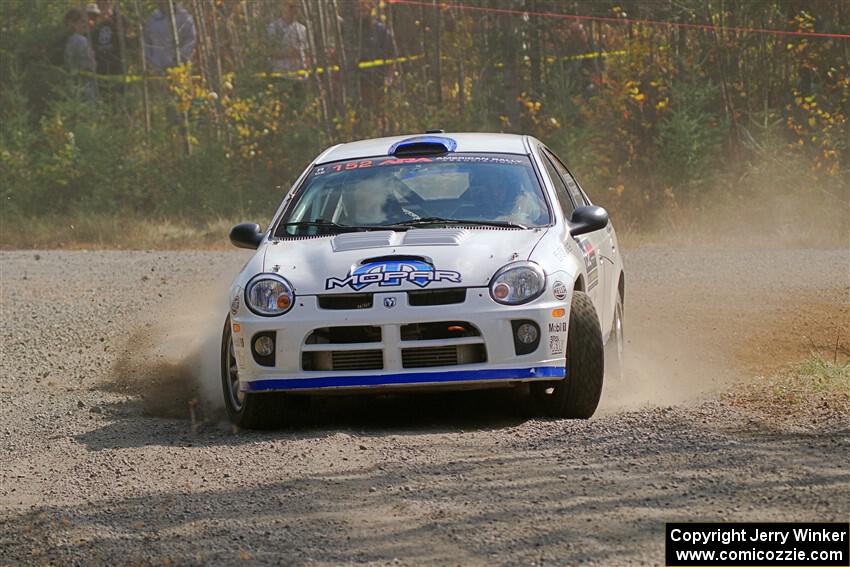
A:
[249,411]
[577,396]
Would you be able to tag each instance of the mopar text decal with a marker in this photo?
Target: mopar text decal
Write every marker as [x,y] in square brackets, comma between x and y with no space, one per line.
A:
[390,273]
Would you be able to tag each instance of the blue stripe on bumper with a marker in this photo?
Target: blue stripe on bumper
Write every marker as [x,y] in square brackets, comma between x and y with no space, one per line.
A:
[412,378]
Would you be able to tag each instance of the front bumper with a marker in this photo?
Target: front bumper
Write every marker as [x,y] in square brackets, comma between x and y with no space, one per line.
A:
[492,320]
[406,379]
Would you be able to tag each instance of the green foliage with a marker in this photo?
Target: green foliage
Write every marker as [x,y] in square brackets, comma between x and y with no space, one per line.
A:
[825,375]
[690,137]
[651,121]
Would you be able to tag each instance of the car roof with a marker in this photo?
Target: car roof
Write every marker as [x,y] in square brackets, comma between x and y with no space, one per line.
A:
[466,142]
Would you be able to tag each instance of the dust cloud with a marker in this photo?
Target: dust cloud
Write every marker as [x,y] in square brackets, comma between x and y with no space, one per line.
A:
[663,368]
[171,360]
[736,285]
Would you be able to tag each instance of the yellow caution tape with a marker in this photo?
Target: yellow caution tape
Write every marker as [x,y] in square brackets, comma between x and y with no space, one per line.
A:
[591,55]
[304,73]
[118,78]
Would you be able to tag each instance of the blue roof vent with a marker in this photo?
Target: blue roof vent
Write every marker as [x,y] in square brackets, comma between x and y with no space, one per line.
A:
[423,145]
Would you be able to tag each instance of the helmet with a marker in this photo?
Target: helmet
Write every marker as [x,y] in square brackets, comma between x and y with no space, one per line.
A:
[494,189]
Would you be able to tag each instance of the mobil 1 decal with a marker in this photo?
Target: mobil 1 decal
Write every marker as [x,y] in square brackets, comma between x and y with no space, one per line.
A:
[557,338]
[591,262]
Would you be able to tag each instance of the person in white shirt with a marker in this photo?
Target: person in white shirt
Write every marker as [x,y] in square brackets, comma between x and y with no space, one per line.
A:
[289,45]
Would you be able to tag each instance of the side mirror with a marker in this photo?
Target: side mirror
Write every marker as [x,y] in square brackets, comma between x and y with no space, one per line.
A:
[246,235]
[587,219]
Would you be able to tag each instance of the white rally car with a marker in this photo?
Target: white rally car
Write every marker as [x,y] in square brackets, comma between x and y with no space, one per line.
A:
[432,261]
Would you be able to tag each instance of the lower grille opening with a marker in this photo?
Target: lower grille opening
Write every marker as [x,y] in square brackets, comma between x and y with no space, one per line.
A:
[346,301]
[345,335]
[436,297]
[343,360]
[455,355]
[440,330]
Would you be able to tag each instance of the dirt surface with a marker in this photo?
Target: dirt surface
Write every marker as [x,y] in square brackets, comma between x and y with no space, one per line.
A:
[102,352]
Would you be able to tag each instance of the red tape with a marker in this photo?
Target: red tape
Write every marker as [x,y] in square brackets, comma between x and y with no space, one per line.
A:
[712,27]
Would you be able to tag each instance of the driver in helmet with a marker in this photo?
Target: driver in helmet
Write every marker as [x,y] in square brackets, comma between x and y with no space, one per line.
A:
[496,193]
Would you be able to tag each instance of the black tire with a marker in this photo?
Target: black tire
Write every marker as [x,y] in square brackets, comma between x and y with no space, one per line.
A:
[615,347]
[577,395]
[248,411]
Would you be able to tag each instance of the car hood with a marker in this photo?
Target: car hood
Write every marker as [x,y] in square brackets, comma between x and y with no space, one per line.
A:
[398,261]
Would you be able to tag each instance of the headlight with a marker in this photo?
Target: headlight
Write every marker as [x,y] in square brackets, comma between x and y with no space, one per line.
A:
[269,295]
[518,283]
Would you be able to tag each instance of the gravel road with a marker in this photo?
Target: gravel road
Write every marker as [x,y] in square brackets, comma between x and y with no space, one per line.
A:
[102,352]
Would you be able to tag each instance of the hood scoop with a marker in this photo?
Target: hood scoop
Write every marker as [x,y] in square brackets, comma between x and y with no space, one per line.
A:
[362,240]
[434,237]
[385,238]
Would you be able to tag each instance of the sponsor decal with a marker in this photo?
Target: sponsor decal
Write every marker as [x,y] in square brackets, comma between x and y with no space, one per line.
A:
[560,253]
[368,164]
[400,161]
[390,273]
[591,262]
[360,164]
[389,302]
[455,158]
[234,305]
[560,290]
[557,337]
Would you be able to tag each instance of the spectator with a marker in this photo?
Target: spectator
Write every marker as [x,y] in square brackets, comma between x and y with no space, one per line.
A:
[109,38]
[106,37]
[376,43]
[288,39]
[93,15]
[579,44]
[79,56]
[159,39]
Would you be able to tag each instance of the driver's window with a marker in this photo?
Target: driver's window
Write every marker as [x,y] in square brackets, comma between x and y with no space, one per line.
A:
[560,188]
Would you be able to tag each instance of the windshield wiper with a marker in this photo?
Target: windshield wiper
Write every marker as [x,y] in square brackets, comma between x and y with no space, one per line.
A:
[325,224]
[440,220]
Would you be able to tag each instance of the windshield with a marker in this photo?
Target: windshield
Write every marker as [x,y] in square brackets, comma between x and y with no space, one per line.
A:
[399,193]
